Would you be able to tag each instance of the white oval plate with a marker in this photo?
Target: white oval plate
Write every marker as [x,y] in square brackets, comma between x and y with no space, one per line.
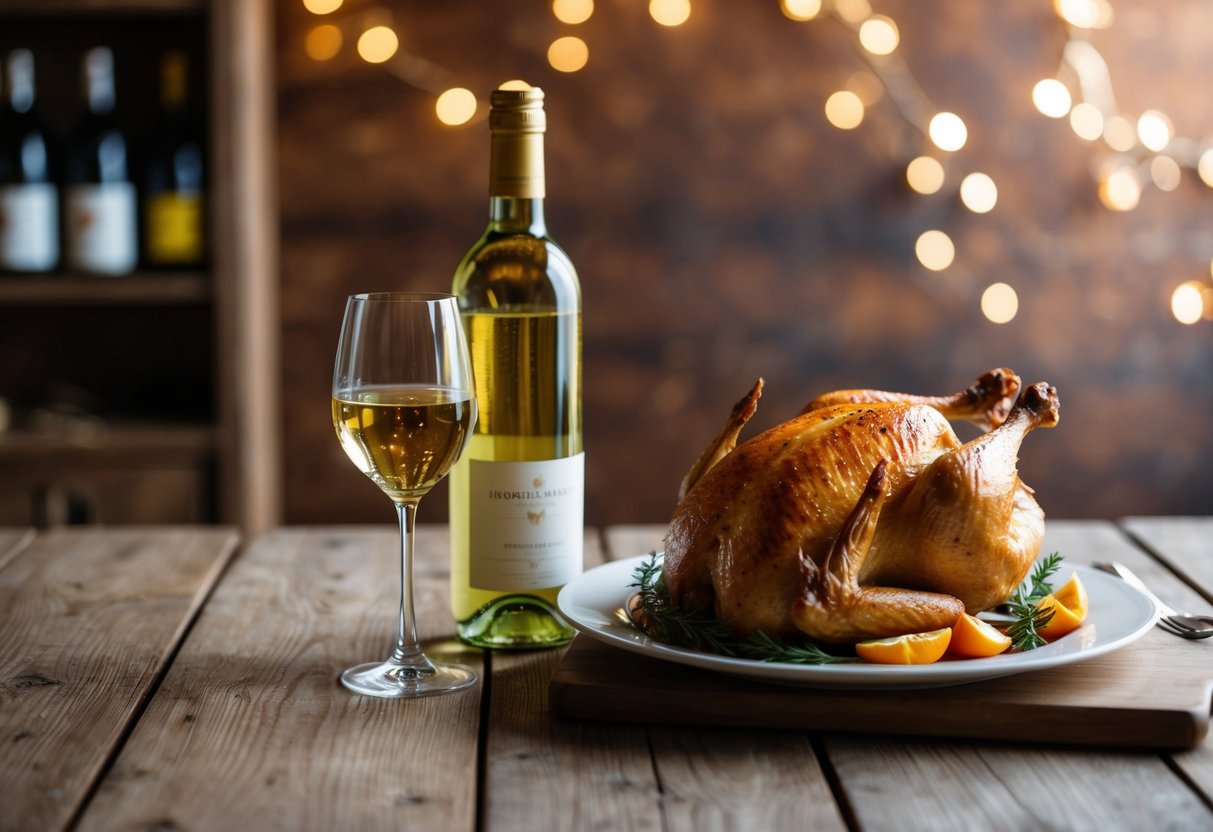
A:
[1117,615]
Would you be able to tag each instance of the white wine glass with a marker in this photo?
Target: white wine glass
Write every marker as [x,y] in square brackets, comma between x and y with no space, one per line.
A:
[403,409]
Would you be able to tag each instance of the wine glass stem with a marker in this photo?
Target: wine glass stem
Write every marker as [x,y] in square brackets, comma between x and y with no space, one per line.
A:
[408,650]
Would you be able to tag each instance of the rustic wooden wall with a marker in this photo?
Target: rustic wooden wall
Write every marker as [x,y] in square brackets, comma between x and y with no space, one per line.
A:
[724,231]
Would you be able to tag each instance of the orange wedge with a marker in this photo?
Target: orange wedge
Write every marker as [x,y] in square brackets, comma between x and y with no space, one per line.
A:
[973,638]
[1069,605]
[914,648]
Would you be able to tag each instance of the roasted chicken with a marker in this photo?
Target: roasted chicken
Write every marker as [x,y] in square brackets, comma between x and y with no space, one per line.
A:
[863,517]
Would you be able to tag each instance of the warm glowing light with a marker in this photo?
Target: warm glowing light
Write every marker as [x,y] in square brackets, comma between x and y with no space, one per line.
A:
[1120,190]
[999,303]
[670,12]
[853,11]
[572,11]
[1120,134]
[1087,121]
[515,84]
[1204,167]
[800,9]
[1085,14]
[935,250]
[1051,97]
[948,131]
[1165,172]
[323,42]
[1080,13]
[377,44]
[568,54]
[322,6]
[844,110]
[925,175]
[456,106]
[878,34]
[1188,303]
[978,193]
[1154,129]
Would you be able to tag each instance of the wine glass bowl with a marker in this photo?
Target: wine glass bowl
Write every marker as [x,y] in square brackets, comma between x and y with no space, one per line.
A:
[403,409]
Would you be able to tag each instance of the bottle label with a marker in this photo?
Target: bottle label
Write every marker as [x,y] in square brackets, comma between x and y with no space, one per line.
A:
[29,227]
[174,228]
[101,228]
[526,529]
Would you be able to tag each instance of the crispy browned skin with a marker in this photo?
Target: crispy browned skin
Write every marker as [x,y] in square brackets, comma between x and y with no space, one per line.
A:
[757,537]
[986,402]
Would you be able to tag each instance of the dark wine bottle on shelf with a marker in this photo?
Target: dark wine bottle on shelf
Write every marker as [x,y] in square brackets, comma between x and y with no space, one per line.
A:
[101,215]
[29,195]
[174,176]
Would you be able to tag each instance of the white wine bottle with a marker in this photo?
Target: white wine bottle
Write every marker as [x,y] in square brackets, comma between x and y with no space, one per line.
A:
[29,197]
[102,227]
[173,176]
[518,493]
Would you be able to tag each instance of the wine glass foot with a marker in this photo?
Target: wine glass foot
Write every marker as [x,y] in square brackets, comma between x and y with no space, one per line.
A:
[393,680]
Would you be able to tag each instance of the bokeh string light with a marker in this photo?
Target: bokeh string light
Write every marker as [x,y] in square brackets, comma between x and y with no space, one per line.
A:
[1144,151]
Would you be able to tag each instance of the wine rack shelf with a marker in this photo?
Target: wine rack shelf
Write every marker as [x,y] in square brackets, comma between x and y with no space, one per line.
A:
[192,354]
[134,289]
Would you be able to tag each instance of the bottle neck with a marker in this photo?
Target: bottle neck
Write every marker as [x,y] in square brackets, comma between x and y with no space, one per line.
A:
[21,81]
[99,81]
[174,84]
[517,214]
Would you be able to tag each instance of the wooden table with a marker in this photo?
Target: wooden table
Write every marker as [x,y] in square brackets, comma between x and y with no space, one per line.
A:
[172,679]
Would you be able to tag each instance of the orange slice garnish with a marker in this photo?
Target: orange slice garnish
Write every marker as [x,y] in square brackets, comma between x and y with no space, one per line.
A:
[1069,605]
[913,648]
[973,638]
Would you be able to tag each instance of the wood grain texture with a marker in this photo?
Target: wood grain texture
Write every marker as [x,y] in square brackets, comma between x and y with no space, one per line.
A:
[252,729]
[747,779]
[1183,543]
[245,234]
[741,780]
[11,542]
[544,773]
[88,621]
[938,786]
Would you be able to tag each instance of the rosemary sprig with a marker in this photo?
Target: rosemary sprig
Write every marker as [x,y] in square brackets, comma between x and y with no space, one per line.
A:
[654,612]
[762,647]
[1030,619]
[660,618]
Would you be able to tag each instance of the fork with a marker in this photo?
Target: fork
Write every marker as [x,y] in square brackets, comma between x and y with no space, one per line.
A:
[1183,624]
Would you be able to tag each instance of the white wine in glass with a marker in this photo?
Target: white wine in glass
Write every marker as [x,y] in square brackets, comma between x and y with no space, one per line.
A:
[403,409]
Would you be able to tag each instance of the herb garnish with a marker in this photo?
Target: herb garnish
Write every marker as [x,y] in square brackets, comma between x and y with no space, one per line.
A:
[654,612]
[1029,618]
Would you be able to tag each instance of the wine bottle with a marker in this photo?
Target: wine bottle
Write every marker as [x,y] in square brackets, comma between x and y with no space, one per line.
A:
[517,494]
[100,194]
[173,176]
[29,197]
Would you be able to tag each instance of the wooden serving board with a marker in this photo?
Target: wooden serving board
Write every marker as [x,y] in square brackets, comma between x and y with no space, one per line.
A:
[1156,693]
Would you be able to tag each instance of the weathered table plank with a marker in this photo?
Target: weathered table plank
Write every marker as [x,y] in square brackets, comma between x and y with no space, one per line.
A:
[252,729]
[1186,545]
[11,542]
[728,779]
[1183,543]
[740,779]
[88,620]
[583,776]
[947,786]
